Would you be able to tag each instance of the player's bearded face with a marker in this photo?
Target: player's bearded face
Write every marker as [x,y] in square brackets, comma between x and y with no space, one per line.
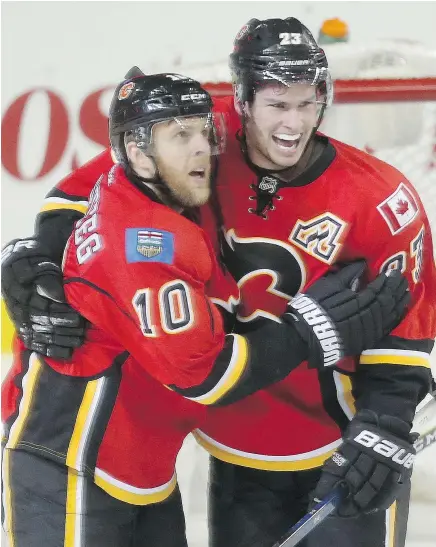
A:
[279,124]
[183,155]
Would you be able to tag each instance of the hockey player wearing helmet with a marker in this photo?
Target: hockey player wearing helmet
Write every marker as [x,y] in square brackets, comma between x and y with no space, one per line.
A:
[170,139]
[294,204]
[328,202]
[71,476]
[282,88]
[91,443]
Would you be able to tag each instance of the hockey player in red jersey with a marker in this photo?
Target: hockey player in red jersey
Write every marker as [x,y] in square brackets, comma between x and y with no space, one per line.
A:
[294,204]
[302,202]
[91,443]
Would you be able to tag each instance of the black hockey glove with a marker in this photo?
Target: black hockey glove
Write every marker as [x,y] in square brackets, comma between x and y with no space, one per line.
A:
[373,463]
[32,288]
[338,320]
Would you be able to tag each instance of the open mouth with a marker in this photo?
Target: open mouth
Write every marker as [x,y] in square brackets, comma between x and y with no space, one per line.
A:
[198,173]
[287,142]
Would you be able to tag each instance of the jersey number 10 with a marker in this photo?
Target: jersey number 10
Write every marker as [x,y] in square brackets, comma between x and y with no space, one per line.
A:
[174,304]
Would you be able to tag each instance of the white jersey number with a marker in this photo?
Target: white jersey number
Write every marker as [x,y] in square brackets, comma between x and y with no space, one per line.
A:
[175,308]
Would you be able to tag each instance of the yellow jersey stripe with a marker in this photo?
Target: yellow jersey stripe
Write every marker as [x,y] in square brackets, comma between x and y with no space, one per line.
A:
[80,426]
[29,383]
[344,394]
[391,515]
[232,375]
[73,509]
[132,495]
[7,498]
[296,464]
[7,329]
[394,359]
[71,205]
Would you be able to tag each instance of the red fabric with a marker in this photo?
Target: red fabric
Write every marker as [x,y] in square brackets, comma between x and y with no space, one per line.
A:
[11,393]
[147,428]
[81,181]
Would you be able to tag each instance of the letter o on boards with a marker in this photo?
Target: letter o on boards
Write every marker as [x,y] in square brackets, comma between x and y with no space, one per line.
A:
[58,132]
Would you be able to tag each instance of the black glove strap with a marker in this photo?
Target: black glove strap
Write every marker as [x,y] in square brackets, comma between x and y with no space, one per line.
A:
[324,339]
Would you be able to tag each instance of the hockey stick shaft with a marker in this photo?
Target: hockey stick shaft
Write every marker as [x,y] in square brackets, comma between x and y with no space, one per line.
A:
[425,414]
[310,521]
[424,410]
[425,440]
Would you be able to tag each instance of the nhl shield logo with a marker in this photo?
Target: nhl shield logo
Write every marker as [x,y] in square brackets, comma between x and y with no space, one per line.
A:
[149,244]
[268,185]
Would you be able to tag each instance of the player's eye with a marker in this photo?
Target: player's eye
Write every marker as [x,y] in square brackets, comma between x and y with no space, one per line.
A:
[279,106]
[306,104]
[182,134]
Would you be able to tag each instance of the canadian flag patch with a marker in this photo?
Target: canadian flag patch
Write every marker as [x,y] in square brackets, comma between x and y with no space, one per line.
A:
[399,209]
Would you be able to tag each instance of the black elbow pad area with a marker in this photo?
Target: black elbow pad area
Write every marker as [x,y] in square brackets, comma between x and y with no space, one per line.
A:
[54,228]
[394,388]
[248,363]
[275,350]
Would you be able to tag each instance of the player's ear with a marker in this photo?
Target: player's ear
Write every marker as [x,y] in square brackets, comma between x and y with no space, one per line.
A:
[241,108]
[142,164]
[238,105]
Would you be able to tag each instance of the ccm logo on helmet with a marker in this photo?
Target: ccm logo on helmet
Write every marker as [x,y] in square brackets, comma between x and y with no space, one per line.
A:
[385,448]
[193,96]
[321,327]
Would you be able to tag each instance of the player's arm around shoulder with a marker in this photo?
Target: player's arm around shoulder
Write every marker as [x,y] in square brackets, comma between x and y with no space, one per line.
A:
[143,278]
[72,191]
[395,233]
[37,309]
[67,202]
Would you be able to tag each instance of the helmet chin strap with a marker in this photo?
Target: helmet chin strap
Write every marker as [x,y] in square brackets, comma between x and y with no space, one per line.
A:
[156,184]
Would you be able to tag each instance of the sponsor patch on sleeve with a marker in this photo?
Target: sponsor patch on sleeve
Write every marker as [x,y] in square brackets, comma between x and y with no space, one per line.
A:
[399,209]
[149,245]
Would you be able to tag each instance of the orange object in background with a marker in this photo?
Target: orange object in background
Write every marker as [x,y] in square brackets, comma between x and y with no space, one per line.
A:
[333,30]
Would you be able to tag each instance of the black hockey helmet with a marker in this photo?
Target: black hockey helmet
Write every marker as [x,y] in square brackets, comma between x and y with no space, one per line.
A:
[278,51]
[140,101]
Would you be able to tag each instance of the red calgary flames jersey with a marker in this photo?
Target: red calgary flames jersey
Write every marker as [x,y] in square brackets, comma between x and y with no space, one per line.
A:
[156,306]
[141,273]
[347,205]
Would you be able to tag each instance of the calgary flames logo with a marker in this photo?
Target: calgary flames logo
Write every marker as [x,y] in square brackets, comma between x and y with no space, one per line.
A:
[126,91]
[269,273]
